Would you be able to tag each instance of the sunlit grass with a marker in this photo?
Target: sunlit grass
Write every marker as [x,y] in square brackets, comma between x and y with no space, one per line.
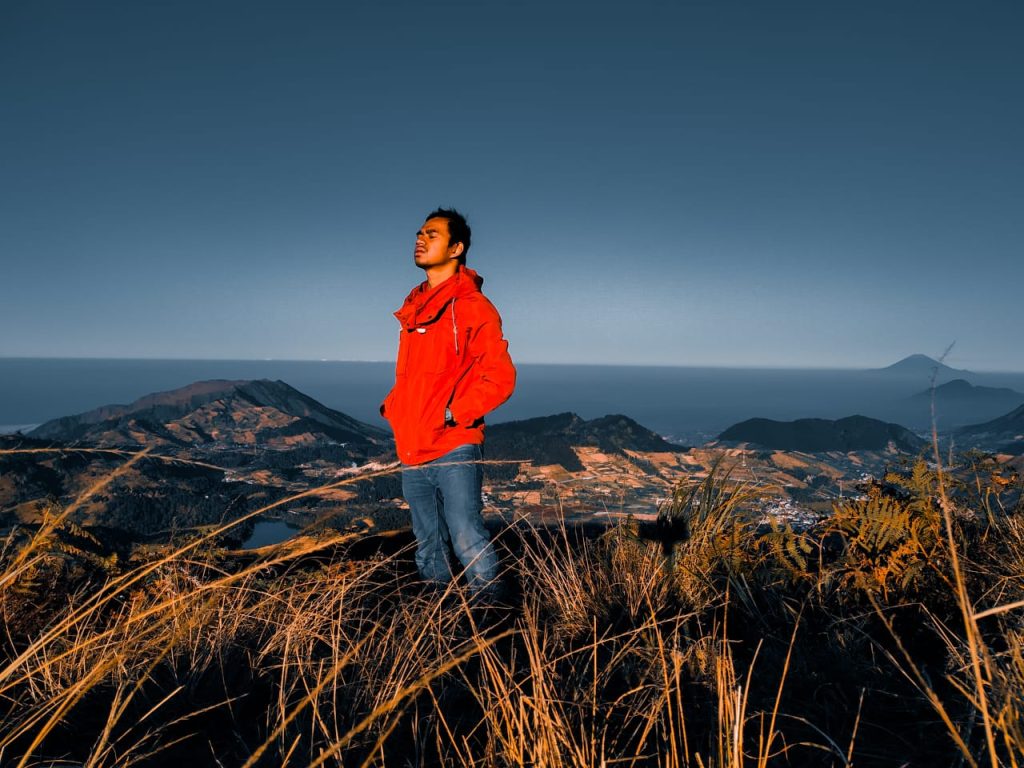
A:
[712,646]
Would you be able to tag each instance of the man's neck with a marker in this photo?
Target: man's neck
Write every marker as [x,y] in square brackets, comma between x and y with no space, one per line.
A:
[437,275]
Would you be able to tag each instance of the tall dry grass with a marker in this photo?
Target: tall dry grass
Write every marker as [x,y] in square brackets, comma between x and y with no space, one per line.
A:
[698,642]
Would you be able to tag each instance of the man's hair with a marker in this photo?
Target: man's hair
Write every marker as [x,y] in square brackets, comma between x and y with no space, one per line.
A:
[458,229]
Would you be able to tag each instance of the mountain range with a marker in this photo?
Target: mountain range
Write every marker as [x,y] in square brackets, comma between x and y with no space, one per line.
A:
[228,415]
[227,446]
[231,444]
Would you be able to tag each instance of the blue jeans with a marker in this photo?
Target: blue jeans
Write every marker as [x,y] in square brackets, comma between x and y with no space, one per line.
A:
[445,502]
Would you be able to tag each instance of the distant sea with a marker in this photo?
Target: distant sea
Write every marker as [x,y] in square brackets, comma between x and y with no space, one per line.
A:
[686,404]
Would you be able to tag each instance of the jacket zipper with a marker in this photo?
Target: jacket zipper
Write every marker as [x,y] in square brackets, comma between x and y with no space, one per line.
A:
[455,329]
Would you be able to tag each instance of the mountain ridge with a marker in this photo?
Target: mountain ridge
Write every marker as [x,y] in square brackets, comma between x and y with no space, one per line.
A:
[1008,428]
[852,433]
[961,389]
[241,412]
[551,439]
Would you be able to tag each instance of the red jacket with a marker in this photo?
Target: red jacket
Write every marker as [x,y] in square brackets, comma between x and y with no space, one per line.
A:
[451,354]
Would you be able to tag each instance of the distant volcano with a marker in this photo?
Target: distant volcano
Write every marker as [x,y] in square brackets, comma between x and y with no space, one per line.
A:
[922,365]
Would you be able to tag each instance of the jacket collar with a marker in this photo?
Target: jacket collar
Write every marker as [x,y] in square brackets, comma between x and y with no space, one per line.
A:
[425,304]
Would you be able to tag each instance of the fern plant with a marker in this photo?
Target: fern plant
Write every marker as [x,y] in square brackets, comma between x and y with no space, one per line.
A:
[792,552]
[890,537]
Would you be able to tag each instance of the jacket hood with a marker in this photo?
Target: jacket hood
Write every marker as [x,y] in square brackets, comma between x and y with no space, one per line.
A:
[424,304]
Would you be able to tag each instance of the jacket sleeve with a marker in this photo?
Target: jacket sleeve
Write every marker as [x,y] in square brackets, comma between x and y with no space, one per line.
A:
[492,377]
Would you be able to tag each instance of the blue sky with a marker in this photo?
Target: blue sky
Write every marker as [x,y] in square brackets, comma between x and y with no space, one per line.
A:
[714,183]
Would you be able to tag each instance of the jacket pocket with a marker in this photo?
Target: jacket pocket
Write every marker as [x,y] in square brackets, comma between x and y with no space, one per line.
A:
[433,350]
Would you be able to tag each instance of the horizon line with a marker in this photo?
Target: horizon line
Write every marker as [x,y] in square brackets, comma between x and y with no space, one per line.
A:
[731,366]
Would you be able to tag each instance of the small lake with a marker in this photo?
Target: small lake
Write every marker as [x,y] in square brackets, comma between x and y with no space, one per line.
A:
[267,532]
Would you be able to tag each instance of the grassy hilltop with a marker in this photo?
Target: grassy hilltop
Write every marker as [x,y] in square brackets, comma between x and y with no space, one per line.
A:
[889,634]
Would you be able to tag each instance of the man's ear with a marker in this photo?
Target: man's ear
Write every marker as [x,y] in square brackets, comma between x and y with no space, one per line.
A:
[457,251]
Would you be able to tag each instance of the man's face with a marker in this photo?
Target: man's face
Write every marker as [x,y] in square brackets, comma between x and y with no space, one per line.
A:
[432,249]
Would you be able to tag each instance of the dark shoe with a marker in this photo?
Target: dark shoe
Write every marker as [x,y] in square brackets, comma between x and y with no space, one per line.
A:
[492,607]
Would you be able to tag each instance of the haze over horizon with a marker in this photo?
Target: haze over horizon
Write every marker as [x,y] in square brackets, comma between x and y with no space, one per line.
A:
[925,361]
[693,184]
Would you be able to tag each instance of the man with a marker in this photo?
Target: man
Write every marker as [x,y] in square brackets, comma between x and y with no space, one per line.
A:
[453,368]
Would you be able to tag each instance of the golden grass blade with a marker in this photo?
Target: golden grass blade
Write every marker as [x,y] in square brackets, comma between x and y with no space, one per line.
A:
[400,696]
